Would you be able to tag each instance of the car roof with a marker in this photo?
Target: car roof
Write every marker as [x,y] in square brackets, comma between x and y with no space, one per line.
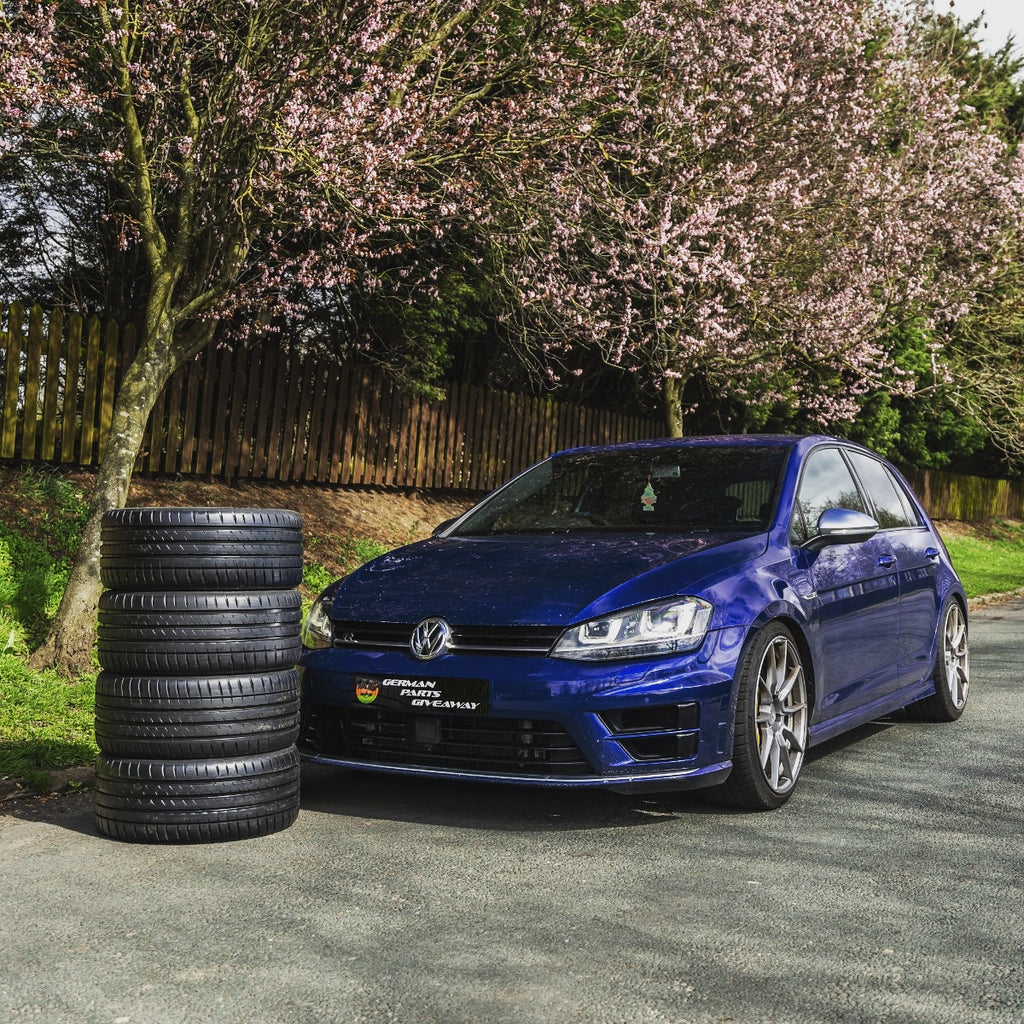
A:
[709,441]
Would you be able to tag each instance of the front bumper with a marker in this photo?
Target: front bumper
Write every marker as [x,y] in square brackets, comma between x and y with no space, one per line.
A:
[631,726]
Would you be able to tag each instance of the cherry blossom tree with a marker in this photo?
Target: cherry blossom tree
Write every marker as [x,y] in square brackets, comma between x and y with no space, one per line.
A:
[983,352]
[787,182]
[270,147]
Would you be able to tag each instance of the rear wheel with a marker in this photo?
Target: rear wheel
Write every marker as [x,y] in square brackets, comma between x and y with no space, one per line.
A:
[770,730]
[952,674]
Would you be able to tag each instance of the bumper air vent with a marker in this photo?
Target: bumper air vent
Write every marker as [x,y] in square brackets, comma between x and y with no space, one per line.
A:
[461,742]
[663,732]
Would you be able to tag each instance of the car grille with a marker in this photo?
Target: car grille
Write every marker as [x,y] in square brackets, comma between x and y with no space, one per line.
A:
[461,742]
[526,640]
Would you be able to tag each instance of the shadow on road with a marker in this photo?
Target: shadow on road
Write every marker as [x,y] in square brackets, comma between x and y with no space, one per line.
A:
[518,808]
[490,808]
[72,811]
[485,807]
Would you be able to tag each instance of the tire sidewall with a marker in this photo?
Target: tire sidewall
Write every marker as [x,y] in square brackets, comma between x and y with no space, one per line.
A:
[943,698]
[747,777]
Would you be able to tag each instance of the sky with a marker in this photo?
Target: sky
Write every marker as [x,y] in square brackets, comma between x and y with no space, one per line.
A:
[1004,18]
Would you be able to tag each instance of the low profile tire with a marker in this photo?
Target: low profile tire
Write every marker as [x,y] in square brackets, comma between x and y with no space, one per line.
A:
[195,616]
[952,673]
[144,633]
[154,717]
[190,656]
[254,569]
[135,608]
[201,549]
[251,524]
[214,693]
[771,725]
[200,801]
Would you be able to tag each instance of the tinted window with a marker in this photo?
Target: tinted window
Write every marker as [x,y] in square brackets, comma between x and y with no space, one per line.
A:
[891,506]
[673,489]
[826,483]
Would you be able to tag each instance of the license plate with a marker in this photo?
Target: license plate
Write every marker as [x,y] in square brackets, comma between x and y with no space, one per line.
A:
[414,693]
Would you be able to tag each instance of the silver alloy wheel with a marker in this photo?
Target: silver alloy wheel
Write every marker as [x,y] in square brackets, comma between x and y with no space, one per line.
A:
[955,655]
[781,720]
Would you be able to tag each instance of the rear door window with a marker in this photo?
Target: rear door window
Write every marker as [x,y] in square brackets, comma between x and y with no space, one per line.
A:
[892,508]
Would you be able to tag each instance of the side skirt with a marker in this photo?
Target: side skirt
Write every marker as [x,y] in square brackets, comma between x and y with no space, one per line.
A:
[820,732]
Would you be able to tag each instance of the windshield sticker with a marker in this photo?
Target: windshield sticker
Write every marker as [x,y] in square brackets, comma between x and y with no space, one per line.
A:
[648,498]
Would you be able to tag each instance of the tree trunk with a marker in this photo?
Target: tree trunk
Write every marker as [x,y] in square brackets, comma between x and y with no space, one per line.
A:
[69,645]
[672,404]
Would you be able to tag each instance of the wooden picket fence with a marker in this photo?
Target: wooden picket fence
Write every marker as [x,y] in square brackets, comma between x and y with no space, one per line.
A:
[257,413]
[970,499]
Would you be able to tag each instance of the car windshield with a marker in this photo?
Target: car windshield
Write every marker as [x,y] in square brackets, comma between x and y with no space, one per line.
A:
[683,490]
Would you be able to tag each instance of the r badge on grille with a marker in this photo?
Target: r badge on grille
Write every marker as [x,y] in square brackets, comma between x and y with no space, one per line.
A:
[430,639]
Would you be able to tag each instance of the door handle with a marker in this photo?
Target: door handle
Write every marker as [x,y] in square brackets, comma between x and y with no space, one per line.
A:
[886,560]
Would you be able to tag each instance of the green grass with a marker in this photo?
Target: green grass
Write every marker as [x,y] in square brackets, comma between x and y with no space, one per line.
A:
[989,560]
[62,509]
[31,584]
[46,722]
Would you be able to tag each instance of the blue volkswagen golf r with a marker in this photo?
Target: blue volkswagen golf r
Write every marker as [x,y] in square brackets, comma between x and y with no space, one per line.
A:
[656,615]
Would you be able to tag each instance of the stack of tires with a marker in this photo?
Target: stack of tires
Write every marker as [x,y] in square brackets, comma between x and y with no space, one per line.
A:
[197,703]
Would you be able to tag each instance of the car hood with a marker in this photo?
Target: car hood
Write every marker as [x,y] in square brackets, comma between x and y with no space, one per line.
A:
[534,580]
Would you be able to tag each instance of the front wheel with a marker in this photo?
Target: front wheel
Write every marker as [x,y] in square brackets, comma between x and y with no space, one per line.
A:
[952,673]
[770,729]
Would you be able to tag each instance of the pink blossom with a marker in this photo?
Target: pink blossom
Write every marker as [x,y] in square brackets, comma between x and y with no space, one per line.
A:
[746,190]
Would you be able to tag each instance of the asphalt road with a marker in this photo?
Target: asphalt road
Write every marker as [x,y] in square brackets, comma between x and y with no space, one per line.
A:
[888,889]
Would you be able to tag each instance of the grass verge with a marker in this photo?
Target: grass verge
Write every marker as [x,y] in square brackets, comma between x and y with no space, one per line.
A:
[46,722]
[990,558]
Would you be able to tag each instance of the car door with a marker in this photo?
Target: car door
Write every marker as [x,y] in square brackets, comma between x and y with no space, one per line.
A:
[917,557]
[855,592]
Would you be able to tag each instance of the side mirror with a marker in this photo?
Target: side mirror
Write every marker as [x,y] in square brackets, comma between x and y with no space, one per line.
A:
[441,527]
[842,526]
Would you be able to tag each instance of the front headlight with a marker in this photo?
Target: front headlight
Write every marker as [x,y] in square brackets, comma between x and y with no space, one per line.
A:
[316,630]
[663,628]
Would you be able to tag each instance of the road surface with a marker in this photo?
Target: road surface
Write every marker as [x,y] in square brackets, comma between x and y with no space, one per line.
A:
[888,889]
